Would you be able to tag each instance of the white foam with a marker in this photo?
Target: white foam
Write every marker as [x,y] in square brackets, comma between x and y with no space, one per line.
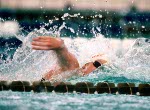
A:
[9,28]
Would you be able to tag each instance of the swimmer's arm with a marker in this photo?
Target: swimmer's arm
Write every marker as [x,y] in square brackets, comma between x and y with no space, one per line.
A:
[59,76]
[56,79]
[67,60]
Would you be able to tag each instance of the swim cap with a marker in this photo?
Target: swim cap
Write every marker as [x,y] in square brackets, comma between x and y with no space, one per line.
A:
[100,57]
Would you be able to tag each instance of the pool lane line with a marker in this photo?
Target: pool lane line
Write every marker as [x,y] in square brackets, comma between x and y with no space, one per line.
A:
[80,87]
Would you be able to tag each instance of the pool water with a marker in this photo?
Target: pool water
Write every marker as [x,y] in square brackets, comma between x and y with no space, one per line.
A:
[59,101]
[129,61]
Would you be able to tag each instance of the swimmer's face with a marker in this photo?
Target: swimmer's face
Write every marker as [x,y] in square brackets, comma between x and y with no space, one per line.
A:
[88,68]
[91,66]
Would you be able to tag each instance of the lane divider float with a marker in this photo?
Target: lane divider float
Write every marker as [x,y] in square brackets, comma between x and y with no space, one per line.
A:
[80,87]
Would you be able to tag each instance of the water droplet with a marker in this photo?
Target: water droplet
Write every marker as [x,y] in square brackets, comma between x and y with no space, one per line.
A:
[56,19]
[100,16]
[50,21]
[82,17]
[143,26]
[130,22]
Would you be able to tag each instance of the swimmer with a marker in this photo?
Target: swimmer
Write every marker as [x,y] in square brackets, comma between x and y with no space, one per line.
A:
[67,61]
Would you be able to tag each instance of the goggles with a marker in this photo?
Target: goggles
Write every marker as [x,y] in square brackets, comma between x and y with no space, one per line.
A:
[96,64]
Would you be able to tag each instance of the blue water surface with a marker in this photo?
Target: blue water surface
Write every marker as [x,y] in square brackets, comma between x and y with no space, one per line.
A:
[132,67]
[71,101]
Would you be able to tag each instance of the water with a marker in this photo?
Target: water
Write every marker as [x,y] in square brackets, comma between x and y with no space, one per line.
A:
[51,101]
[129,61]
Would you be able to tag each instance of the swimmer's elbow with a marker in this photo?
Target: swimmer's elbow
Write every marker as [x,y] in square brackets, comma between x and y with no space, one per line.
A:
[76,65]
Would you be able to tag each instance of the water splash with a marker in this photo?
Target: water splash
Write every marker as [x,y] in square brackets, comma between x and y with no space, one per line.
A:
[128,60]
[26,61]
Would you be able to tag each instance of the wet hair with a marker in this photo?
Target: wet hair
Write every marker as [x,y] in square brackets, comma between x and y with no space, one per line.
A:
[97,64]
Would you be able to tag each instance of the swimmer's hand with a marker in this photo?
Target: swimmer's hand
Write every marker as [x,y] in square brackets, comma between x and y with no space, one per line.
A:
[66,60]
[47,43]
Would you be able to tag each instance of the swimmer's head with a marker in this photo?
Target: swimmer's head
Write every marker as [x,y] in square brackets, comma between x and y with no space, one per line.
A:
[95,63]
